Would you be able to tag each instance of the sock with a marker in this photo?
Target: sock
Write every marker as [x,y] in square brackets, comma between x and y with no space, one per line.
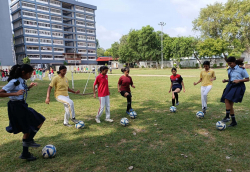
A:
[227,113]
[25,149]
[128,102]
[32,135]
[176,97]
[233,118]
[173,102]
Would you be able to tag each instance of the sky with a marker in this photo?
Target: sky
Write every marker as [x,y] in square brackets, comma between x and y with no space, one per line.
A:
[115,18]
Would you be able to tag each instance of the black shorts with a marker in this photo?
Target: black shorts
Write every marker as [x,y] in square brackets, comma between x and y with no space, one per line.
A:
[123,93]
[176,86]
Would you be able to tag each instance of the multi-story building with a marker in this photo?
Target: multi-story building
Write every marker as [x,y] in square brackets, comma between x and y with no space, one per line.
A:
[54,31]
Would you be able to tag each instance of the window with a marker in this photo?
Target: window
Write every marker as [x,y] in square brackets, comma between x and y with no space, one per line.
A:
[80,22]
[16,16]
[15,7]
[91,52]
[91,58]
[83,57]
[30,39]
[18,32]
[57,3]
[81,30]
[44,33]
[33,56]
[45,17]
[82,51]
[42,8]
[90,38]
[19,49]
[59,57]
[91,45]
[28,5]
[54,10]
[47,25]
[82,44]
[31,31]
[19,41]
[30,22]
[45,41]
[59,27]
[82,37]
[80,15]
[58,42]
[55,18]
[43,1]
[90,31]
[58,49]
[17,24]
[44,56]
[89,17]
[46,49]
[29,14]
[90,24]
[89,10]
[32,48]
[78,8]
[57,34]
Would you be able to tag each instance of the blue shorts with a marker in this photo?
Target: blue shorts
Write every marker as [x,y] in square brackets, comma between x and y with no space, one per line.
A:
[176,86]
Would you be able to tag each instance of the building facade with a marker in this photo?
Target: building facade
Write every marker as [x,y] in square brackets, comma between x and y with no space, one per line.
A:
[6,43]
[54,31]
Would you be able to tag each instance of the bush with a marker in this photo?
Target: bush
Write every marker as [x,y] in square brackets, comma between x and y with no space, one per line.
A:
[180,66]
[221,64]
[65,63]
[124,65]
[245,62]
[215,66]
[142,67]
[197,65]
[175,65]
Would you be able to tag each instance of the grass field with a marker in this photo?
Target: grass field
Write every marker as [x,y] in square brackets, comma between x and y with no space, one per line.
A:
[156,141]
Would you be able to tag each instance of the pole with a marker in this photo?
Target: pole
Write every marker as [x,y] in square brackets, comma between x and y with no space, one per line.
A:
[75,57]
[162,24]
[73,86]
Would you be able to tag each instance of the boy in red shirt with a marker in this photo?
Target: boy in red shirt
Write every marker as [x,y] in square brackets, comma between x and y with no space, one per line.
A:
[124,88]
[103,94]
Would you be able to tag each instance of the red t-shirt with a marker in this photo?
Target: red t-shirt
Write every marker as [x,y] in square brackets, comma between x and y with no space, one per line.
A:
[34,72]
[125,83]
[3,74]
[177,79]
[103,85]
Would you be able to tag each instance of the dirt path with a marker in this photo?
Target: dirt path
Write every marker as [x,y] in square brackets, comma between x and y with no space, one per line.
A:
[190,76]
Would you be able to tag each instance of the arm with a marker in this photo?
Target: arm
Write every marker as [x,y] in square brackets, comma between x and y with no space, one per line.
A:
[94,90]
[213,79]
[32,85]
[72,91]
[195,83]
[182,83]
[119,86]
[241,80]
[170,87]
[48,95]
[3,93]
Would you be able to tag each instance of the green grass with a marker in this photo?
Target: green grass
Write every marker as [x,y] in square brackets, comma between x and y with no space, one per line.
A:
[161,137]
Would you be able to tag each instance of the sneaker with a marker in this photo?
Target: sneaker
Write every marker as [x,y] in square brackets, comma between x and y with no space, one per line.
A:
[75,121]
[67,125]
[128,112]
[177,103]
[29,157]
[226,119]
[31,144]
[109,120]
[97,120]
[233,124]
[131,110]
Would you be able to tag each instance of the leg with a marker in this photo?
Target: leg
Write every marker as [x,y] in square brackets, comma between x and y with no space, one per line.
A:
[128,96]
[174,93]
[102,104]
[205,93]
[234,123]
[107,104]
[228,110]
[67,102]
[202,97]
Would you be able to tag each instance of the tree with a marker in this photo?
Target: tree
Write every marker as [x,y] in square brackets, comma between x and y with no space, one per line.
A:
[108,52]
[115,50]
[26,60]
[100,52]
[97,44]
[126,53]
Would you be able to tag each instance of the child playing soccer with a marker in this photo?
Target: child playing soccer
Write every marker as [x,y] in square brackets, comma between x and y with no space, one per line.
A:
[207,77]
[124,84]
[61,84]
[176,86]
[235,88]
[22,118]
[103,94]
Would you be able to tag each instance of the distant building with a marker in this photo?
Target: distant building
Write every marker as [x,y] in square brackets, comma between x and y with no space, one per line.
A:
[54,31]
[6,41]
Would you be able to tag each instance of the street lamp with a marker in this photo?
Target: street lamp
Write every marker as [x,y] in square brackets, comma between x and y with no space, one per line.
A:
[162,24]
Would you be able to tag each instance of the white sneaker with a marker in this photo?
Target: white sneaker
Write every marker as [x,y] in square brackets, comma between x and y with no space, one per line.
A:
[109,120]
[97,120]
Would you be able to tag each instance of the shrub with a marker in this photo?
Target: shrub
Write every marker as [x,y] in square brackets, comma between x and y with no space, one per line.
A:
[215,66]
[221,64]
[124,65]
[197,65]
[245,62]
[142,67]
[180,66]
[175,65]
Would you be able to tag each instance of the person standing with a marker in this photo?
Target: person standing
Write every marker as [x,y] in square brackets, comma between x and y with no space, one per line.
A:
[110,69]
[207,76]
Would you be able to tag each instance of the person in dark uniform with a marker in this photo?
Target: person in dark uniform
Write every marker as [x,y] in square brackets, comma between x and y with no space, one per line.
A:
[176,86]
[235,89]
[21,117]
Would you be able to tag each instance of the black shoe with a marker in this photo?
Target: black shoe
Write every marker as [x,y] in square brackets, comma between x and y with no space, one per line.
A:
[204,110]
[67,125]
[28,157]
[233,124]
[75,121]
[226,119]
[31,144]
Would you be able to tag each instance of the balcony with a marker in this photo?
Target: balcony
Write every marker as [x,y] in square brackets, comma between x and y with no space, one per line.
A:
[58,50]
[43,1]
[46,49]
[33,56]
[90,11]
[55,3]
[30,48]
[59,58]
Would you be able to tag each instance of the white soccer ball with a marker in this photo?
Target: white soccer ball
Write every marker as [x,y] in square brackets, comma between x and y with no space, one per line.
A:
[80,125]
[172,109]
[133,114]
[124,122]
[220,125]
[200,115]
[49,151]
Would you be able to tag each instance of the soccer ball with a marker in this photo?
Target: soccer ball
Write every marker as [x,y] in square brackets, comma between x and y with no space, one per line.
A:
[124,122]
[220,125]
[200,115]
[80,125]
[133,114]
[49,151]
[172,109]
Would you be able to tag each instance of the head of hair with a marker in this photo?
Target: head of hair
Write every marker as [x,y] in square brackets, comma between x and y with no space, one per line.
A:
[102,68]
[237,62]
[231,59]
[173,69]
[61,68]
[125,69]
[16,71]
[206,63]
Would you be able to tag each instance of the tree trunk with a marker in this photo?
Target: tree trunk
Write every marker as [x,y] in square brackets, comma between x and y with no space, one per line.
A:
[195,56]
[225,56]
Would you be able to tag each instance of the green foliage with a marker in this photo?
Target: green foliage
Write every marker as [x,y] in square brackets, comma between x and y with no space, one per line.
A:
[180,66]
[197,65]
[175,65]
[142,67]
[65,63]
[221,64]
[115,50]
[100,52]
[215,66]
[26,60]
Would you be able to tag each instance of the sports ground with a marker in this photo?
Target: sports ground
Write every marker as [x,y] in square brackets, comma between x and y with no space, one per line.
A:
[156,141]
